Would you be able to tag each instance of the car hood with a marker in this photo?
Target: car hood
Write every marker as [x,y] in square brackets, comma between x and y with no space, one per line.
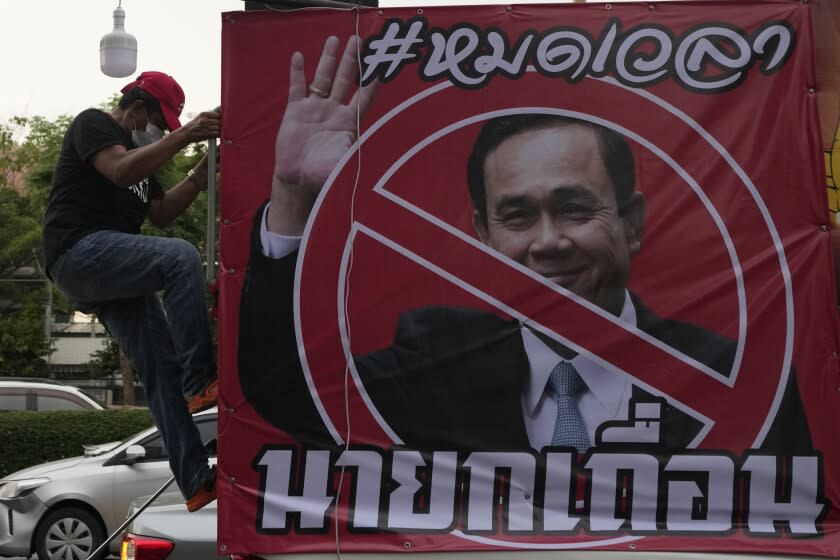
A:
[45,469]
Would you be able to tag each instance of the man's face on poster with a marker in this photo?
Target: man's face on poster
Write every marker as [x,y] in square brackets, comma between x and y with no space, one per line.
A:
[552,207]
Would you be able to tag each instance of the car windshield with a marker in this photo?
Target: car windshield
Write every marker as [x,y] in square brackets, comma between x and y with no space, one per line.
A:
[91,397]
[94,449]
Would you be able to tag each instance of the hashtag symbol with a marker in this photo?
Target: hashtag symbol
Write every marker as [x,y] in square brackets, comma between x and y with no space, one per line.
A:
[393,48]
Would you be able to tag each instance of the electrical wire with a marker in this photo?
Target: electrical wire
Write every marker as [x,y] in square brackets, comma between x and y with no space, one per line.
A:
[347,283]
[336,509]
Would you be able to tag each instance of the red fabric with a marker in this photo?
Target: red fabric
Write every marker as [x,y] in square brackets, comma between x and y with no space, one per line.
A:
[765,129]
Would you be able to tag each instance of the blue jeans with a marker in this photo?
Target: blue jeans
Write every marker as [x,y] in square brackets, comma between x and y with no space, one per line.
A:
[117,276]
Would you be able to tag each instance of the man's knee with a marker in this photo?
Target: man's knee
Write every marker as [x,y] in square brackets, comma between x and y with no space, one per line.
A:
[185,253]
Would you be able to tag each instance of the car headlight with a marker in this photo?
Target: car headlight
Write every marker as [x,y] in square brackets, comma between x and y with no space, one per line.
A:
[17,488]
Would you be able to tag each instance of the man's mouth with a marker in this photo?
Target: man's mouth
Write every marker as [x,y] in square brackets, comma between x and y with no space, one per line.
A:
[562,278]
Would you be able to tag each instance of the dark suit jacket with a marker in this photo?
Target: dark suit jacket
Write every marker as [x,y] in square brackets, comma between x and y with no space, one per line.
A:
[452,378]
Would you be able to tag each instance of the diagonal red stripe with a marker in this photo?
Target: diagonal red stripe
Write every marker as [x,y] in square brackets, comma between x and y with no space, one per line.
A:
[573,321]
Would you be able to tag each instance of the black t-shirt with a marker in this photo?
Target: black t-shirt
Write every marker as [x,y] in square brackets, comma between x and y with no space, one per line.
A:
[82,200]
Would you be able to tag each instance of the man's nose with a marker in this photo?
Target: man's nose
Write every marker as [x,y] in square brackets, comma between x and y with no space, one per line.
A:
[551,237]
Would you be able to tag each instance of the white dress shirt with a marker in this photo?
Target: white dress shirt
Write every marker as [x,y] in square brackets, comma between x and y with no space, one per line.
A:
[274,245]
[607,393]
[606,397]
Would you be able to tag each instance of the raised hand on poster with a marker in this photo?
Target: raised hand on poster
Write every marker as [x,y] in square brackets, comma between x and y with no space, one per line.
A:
[318,127]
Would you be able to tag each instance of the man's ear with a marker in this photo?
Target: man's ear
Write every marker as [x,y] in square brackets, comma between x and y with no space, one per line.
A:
[479,226]
[137,106]
[633,215]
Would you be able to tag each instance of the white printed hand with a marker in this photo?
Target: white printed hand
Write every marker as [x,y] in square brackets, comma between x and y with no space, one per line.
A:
[319,127]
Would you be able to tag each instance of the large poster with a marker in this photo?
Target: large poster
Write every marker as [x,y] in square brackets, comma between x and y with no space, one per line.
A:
[526,277]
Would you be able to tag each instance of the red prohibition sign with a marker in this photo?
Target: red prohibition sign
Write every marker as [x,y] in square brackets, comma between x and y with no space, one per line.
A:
[347,210]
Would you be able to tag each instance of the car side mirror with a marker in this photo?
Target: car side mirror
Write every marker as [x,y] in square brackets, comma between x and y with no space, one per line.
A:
[134,453]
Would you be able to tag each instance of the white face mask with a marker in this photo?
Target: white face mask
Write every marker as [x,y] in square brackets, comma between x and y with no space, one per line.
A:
[149,136]
[145,137]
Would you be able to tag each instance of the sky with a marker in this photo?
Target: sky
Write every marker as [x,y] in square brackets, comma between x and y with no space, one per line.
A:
[49,50]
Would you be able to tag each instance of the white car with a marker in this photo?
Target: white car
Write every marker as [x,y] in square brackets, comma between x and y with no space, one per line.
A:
[20,393]
[63,510]
[168,529]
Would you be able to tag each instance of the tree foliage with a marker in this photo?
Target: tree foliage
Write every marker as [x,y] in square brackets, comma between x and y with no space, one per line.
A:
[20,231]
[106,360]
[23,346]
[23,291]
[36,155]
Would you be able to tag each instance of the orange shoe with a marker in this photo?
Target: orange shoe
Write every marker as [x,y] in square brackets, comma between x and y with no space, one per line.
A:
[204,399]
[205,494]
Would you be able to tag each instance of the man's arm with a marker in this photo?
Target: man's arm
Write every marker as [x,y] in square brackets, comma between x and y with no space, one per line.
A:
[175,201]
[124,167]
[270,372]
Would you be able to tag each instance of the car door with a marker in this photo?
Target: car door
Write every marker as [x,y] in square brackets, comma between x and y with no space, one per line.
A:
[14,398]
[57,400]
[146,475]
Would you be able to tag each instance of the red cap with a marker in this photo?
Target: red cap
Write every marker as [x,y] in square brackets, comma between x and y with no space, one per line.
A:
[166,90]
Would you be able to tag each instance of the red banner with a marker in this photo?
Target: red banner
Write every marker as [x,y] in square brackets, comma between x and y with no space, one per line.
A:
[526,277]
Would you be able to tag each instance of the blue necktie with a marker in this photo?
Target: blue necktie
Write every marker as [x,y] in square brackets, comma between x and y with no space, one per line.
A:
[569,429]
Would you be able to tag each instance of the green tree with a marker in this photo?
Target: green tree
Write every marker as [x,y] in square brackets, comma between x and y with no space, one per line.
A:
[105,361]
[36,155]
[23,341]
[9,166]
[23,346]
[109,360]
[20,231]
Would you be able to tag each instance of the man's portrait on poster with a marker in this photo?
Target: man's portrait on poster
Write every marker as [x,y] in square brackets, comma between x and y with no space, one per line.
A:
[556,195]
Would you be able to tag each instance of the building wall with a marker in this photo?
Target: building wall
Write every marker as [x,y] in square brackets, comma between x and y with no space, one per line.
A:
[75,350]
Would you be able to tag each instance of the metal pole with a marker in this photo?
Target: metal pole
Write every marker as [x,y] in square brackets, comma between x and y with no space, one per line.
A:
[211,210]
[128,521]
[48,313]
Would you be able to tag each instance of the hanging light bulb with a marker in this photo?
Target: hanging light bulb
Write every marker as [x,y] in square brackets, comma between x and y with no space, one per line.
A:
[118,49]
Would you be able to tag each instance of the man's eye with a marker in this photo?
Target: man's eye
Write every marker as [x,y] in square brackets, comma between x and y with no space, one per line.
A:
[576,211]
[515,219]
